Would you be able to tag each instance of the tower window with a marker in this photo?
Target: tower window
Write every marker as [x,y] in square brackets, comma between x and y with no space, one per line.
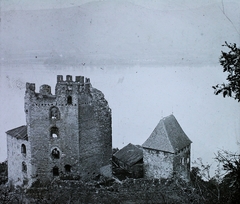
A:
[24,167]
[54,132]
[54,113]
[23,149]
[69,100]
[55,153]
[55,171]
[67,168]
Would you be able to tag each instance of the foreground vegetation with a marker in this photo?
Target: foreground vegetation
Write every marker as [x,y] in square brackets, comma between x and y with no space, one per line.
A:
[105,191]
[223,187]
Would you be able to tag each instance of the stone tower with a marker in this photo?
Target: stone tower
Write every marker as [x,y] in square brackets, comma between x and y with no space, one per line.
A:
[167,151]
[68,135]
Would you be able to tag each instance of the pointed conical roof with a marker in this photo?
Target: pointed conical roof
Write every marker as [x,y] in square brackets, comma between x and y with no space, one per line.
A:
[167,136]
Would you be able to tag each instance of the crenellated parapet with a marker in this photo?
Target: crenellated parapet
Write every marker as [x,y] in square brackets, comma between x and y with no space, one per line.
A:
[69,86]
[63,87]
[78,79]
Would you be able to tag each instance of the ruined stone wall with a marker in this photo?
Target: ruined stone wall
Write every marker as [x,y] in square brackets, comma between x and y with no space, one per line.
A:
[181,163]
[95,136]
[157,164]
[18,175]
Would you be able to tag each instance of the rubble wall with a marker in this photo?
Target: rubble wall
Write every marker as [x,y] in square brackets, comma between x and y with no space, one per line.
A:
[16,174]
[181,163]
[95,133]
[157,164]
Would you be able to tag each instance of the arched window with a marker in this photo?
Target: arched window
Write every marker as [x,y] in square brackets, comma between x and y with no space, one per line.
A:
[55,171]
[54,132]
[67,168]
[69,100]
[23,149]
[55,153]
[24,167]
[54,113]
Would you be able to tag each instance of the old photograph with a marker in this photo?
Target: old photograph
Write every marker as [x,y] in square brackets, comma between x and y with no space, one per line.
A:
[119,101]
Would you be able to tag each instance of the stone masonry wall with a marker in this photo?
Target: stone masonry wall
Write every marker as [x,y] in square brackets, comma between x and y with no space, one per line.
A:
[157,164]
[16,174]
[95,133]
[181,163]
[43,143]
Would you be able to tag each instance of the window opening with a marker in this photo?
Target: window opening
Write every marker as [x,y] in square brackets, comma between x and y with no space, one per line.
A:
[68,168]
[23,149]
[69,99]
[182,160]
[54,113]
[24,167]
[55,171]
[55,153]
[54,132]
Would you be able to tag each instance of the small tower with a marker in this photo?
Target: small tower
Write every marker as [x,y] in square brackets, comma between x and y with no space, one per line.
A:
[67,135]
[167,151]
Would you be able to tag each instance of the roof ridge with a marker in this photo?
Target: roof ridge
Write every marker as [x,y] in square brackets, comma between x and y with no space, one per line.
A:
[164,126]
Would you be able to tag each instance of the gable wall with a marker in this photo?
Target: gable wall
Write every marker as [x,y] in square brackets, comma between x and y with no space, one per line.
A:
[15,158]
[157,164]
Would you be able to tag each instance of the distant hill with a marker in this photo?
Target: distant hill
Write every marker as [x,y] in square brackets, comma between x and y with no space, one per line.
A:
[118,32]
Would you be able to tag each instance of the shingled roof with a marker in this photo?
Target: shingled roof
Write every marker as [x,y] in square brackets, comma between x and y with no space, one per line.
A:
[167,136]
[19,132]
[129,154]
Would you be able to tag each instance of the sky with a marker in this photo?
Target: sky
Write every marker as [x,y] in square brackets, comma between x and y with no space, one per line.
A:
[149,58]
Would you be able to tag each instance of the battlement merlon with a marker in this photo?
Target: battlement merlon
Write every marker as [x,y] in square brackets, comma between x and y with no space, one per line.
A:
[80,79]
[29,95]
[30,88]
[45,90]
[87,85]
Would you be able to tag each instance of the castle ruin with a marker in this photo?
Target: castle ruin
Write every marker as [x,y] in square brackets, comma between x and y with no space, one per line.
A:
[67,135]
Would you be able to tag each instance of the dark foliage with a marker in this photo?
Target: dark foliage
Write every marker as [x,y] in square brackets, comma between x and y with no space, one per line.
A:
[3,173]
[231,64]
[206,189]
[224,186]
[230,185]
[105,191]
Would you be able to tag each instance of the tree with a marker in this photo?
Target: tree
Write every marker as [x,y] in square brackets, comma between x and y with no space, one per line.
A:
[3,172]
[206,186]
[231,64]
[230,185]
